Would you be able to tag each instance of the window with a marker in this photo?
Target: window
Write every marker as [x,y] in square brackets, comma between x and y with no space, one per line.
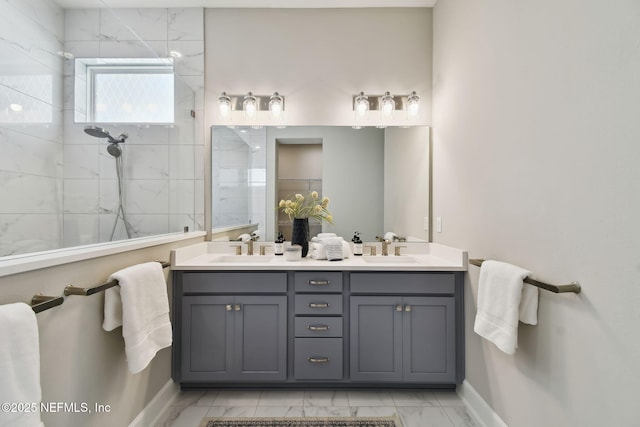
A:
[124,90]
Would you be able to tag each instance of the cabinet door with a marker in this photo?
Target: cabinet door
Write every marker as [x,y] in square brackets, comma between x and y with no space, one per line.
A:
[429,339]
[376,338]
[207,338]
[260,338]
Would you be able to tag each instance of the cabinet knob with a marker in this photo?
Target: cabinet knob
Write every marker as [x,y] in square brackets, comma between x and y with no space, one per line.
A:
[398,307]
[407,308]
[236,307]
[318,282]
[318,327]
[318,359]
[319,304]
[228,307]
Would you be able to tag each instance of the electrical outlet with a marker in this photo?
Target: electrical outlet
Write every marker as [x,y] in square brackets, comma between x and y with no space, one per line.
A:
[426,223]
[439,224]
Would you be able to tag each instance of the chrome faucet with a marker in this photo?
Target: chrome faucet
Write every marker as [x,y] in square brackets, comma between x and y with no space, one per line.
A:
[253,238]
[385,245]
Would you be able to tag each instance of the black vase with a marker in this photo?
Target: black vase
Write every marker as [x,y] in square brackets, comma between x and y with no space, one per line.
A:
[300,234]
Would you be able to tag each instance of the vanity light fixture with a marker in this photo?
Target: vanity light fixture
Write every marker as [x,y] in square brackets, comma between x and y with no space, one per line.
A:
[387,105]
[252,106]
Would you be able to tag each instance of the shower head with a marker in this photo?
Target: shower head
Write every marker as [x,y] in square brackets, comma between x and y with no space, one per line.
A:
[99,132]
[114,149]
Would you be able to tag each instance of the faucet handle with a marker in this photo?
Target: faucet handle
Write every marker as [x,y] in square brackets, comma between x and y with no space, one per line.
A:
[238,248]
[373,249]
[397,248]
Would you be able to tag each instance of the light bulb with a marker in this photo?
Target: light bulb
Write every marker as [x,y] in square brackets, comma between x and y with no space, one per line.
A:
[388,106]
[224,106]
[249,106]
[362,105]
[413,105]
[276,106]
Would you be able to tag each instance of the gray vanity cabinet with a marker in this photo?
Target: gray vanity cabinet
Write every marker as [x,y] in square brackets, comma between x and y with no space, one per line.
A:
[402,338]
[233,337]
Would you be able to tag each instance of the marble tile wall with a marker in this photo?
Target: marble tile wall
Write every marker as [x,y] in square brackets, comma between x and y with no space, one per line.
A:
[31,126]
[163,168]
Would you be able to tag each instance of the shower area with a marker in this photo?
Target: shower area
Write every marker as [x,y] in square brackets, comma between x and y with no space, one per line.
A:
[69,179]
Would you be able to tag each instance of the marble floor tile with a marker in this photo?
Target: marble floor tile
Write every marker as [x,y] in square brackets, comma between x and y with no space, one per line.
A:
[326,411]
[231,411]
[281,398]
[208,398]
[373,411]
[325,398]
[279,411]
[237,398]
[414,398]
[423,416]
[459,416]
[449,398]
[370,398]
[190,416]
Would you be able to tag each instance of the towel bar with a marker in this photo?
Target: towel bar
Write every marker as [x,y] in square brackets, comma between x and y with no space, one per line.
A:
[558,289]
[41,302]
[74,290]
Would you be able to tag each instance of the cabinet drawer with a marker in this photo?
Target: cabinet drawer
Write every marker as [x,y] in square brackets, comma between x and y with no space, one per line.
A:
[318,281]
[402,283]
[318,326]
[236,283]
[317,358]
[318,304]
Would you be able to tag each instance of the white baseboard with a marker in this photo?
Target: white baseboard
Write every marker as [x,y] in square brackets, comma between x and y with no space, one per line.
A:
[478,408]
[157,407]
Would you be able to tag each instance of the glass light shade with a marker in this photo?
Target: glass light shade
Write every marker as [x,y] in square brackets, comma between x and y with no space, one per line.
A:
[276,104]
[224,106]
[413,105]
[387,106]
[250,106]
[361,105]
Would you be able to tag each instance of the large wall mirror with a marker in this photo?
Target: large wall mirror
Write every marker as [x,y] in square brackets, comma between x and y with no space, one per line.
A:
[377,180]
[61,186]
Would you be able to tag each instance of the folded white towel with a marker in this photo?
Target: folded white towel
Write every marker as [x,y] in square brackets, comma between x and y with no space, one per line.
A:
[503,299]
[325,235]
[141,305]
[333,247]
[19,365]
[317,249]
[390,236]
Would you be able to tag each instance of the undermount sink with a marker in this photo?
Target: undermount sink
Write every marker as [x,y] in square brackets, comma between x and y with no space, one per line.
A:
[389,259]
[243,258]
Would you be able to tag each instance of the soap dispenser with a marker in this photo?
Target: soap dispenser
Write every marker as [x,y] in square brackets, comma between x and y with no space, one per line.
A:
[357,244]
[278,246]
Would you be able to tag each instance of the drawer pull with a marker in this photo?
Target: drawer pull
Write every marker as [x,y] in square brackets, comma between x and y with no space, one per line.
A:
[318,359]
[407,308]
[398,307]
[319,282]
[318,327]
[228,307]
[319,304]
[236,307]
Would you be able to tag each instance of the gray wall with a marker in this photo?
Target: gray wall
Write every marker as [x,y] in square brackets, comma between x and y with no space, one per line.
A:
[536,160]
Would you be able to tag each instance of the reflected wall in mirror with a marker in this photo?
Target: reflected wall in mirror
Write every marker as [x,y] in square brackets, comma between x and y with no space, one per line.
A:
[377,180]
[58,185]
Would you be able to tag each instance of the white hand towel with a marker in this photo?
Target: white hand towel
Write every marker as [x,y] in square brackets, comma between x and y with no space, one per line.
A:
[141,305]
[501,304]
[333,248]
[317,249]
[19,365]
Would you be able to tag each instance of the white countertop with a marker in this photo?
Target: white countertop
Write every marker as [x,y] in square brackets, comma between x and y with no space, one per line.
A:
[415,257]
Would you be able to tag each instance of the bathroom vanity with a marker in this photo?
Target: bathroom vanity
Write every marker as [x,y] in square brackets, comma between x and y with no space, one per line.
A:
[372,321]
